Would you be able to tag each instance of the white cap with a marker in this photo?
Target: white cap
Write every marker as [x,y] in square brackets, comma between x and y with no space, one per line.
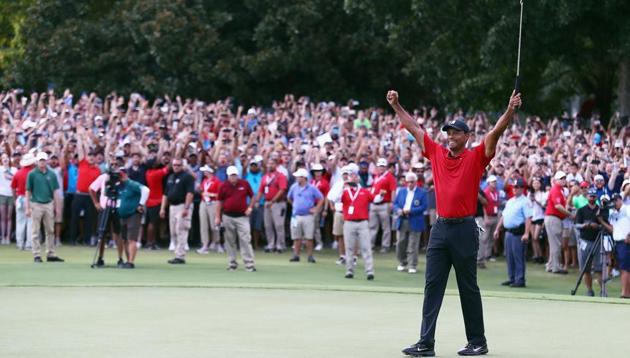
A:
[351,168]
[618,144]
[231,170]
[42,156]
[206,168]
[411,177]
[418,165]
[301,173]
[491,179]
[27,160]
[382,162]
[599,177]
[251,111]
[257,159]
[625,182]
[559,175]
[317,167]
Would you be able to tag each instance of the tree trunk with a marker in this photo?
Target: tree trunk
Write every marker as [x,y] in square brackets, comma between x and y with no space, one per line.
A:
[623,93]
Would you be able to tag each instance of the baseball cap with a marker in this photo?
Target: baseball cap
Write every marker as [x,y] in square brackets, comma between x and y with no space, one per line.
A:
[364,164]
[317,167]
[559,175]
[518,183]
[592,192]
[27,160]
[382,162]
[257,159]
[352,168]
[491,179]
[301,173]
[418,165]
[616,196]
[251,111]
[231,170]
[625,182]
[604,197]
[584,185]
[207,168]
[457,124]
[42,156]
[599,177]
[411,177]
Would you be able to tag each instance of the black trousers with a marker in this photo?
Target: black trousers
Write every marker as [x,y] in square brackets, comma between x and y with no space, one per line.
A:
[453,244]
[83,203]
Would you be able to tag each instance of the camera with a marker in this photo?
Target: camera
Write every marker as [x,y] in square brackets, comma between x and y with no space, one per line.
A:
[112,184]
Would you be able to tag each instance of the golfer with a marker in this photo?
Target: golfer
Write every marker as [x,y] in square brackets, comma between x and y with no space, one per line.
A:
[454,238]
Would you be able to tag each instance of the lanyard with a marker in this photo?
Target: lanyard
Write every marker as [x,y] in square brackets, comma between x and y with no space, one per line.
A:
[353,197]
[269,181]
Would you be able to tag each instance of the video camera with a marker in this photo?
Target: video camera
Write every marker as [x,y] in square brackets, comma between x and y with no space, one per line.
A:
[112,184]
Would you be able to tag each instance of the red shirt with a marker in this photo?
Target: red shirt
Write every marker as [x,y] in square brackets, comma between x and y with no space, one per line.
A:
[322,185]
[456,179]
[155,182]
[210,189]
[18,183]
[272,183]
[387,182]
[492,196]
[359,202]
[234,196]
[556,197]
[87,174]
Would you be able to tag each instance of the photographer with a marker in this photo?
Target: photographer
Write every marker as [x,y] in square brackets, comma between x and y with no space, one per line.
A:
[588,225]
[131,197]
[619,218]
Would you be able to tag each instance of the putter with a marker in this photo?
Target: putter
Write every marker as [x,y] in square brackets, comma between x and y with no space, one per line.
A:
[517,85]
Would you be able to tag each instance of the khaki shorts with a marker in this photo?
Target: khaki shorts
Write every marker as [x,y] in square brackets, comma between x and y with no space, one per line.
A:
[303,227]
[569,234]
[337,224]
[6,200]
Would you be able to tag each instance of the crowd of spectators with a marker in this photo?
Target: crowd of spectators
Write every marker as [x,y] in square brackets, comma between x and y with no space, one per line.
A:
[80,133]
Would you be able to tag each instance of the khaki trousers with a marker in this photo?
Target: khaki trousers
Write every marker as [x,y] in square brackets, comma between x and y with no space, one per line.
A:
[553,225]
[486,239]
[357,233]
[43,213]
[274,225]
[380,215]
[408,245]
[207,223]
[238,229]
[179,226]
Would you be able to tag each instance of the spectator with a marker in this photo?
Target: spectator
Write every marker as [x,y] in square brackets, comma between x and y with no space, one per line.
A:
[555,212]
[538,200]
[207,212]
[490,221]
[254,178]
[619,218]
[385,184]
[23,232]
[6,199]
[178,196]
[274,186]
[306,201]
[410,204]
[320,182]
[589,227]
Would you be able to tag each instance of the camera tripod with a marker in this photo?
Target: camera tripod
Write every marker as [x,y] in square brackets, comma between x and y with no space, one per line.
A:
[603,243]
[104,222]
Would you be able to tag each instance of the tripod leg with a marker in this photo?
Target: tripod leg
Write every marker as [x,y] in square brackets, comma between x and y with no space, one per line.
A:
[587,264]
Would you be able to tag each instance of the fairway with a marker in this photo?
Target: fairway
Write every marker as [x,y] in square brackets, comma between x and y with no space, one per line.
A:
[283,310]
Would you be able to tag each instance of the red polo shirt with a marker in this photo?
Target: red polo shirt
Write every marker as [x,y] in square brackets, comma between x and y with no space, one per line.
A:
[272,183]
[492,207]
[386,182]
[18,183]
[556,197]
[360,202]
[322,185]
[87,174]
[210,189]
[155,182]
[234,196]
[456,179]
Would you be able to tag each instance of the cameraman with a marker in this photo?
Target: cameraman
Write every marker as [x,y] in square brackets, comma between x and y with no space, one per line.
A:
[131,199]
[100,186]
[619,218]
[587,224]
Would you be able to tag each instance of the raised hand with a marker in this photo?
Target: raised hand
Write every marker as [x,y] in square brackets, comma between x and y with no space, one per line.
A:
[515,101]
[392,98]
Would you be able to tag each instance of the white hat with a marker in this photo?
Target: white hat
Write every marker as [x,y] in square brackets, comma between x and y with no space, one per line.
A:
[42,156]
[599,177]
[491,179]
[231,170]
[257,159]
[411,177]
[418,165]
[351,168]
[206,168]
[317,167]
[559,175]
[251,111]
[27,160]
[618,144]
[382,162]
[301,173]
[28,124]
[625,182]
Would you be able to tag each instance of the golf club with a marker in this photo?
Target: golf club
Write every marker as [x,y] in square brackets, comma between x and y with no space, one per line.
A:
[517,85]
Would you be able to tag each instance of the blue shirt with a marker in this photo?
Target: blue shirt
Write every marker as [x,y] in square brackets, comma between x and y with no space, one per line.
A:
[129,194]
[516,212]
[254,181]
[303,198]
[73,176]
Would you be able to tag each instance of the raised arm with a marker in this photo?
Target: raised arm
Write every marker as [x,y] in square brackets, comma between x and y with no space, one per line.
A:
[493,136]
[406,119]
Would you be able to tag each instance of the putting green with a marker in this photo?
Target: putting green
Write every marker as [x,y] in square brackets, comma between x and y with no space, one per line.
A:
[283,310]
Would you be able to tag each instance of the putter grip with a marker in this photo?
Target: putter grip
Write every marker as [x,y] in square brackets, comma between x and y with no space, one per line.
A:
[517,84]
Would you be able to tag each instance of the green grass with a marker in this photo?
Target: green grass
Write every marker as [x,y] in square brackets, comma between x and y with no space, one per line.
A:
[283,310]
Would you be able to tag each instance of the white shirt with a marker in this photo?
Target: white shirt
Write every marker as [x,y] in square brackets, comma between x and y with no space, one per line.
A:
[409,199]
[6,176]
[620,221]
[335,193]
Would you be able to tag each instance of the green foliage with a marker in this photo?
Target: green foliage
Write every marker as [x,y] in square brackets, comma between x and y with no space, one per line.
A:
[455,53]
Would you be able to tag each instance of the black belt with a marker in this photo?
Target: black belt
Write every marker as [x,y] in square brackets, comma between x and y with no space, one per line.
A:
[451,221]
[234,215]
[37,202]
[357,221]
[520,230]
